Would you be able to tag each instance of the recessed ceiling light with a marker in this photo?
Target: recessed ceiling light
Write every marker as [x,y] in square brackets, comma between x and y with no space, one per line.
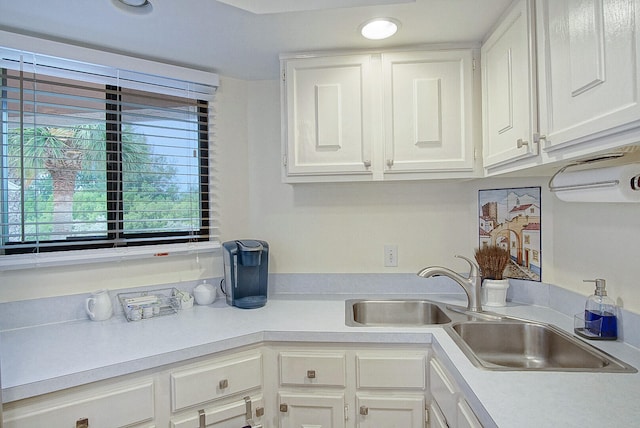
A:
[137,7]
[379,28]
[135,3]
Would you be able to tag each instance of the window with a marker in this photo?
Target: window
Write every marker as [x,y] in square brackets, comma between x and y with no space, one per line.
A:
[95,157]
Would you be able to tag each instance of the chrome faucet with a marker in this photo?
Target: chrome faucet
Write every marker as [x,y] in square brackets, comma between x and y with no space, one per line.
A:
[471,285]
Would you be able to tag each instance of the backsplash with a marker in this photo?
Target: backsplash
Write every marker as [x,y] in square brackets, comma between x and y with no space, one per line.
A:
[51,310]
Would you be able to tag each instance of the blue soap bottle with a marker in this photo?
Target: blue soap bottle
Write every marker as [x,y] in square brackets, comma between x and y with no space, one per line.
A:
[600,313]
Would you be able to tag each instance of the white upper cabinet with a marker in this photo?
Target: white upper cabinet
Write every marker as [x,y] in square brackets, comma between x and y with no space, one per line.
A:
[428,112]
[379,116]
[327,104]
[589,70]
[510,125]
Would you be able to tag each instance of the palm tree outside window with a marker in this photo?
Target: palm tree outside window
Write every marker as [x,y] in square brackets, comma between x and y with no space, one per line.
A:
[93,159]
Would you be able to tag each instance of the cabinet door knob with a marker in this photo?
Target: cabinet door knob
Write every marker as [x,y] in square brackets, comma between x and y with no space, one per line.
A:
[521,143]
[224,383]
[311,374]
[389,163]
[537,137]
[284,408]
[367,163]
[82,423]
[364,410]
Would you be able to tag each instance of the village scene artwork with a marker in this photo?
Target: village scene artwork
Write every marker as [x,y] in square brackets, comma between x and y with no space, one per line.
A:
[510,218]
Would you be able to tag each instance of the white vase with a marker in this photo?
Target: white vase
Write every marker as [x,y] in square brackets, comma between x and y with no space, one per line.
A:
[495,292]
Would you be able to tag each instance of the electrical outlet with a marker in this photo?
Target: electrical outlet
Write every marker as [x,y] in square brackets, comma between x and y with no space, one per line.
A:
[390,255]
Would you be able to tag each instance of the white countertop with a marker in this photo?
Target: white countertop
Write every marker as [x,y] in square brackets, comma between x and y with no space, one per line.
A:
[46,358]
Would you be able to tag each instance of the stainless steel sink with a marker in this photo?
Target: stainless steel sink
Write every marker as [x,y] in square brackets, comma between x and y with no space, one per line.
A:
[519,345]
[392,313]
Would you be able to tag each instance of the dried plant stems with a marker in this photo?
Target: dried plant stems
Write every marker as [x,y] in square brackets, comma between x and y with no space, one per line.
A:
[492,260]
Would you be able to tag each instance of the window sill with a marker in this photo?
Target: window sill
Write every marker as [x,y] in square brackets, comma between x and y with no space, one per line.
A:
[65,258]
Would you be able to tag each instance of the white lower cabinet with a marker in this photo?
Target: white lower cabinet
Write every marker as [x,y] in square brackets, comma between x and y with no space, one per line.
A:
[220,392]
[351,387]
[271,385]
[449,407]
[110,405]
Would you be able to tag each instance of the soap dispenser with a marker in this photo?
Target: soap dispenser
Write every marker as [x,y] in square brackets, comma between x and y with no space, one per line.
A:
[600,314]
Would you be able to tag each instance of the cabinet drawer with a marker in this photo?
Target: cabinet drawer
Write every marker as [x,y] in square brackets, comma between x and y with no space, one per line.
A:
[443,390]
[401,372]
[102,408]
[315,369]
[216,380]
[233,414]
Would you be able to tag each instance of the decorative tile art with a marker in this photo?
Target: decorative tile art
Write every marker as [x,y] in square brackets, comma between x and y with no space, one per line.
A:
[510,218]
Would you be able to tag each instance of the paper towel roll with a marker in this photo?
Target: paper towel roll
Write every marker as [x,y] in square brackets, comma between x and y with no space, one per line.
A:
[627,189]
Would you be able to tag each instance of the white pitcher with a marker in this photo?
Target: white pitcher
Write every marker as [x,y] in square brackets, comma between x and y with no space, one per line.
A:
[98,306]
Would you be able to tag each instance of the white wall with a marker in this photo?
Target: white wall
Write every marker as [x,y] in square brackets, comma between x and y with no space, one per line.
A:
[325,228]
[599,241]
[343,227]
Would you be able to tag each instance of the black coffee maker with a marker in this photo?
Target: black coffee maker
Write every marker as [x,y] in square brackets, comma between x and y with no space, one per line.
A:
[246,268]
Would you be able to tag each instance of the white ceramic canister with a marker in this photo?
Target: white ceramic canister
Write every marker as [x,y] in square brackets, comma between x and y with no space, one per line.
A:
[99,306]
[205,293]
[495,291]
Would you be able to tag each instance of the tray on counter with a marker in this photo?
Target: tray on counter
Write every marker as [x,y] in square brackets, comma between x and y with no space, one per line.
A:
[149,304]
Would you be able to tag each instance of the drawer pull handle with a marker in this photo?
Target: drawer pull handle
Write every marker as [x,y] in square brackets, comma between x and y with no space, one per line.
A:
[202,418]
[224,383]
[311,374]
[364,410]
[82,423]
[284,408]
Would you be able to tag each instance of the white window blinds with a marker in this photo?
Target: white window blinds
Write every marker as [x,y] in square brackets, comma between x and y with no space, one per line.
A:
[94,156]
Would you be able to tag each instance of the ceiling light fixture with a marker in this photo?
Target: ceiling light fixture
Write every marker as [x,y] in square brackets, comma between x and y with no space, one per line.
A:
[135,3]
[379,28]
[137,7]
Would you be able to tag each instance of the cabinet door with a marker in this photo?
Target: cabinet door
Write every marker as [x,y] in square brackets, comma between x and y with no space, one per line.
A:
[428,100]
[509,102]
[320,410]
[436,418]
[466,417]
[589,60]
[327,104]
[390,412]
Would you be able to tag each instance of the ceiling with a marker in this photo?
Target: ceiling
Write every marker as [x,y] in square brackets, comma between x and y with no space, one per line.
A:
[243,38]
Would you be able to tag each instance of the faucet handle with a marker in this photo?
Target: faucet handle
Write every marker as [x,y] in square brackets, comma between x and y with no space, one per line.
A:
[474,268]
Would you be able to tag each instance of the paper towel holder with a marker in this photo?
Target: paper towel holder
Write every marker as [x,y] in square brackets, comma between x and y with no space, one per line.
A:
[591,185]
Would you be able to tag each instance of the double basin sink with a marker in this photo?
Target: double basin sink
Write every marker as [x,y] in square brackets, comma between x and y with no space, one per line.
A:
[490,341]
